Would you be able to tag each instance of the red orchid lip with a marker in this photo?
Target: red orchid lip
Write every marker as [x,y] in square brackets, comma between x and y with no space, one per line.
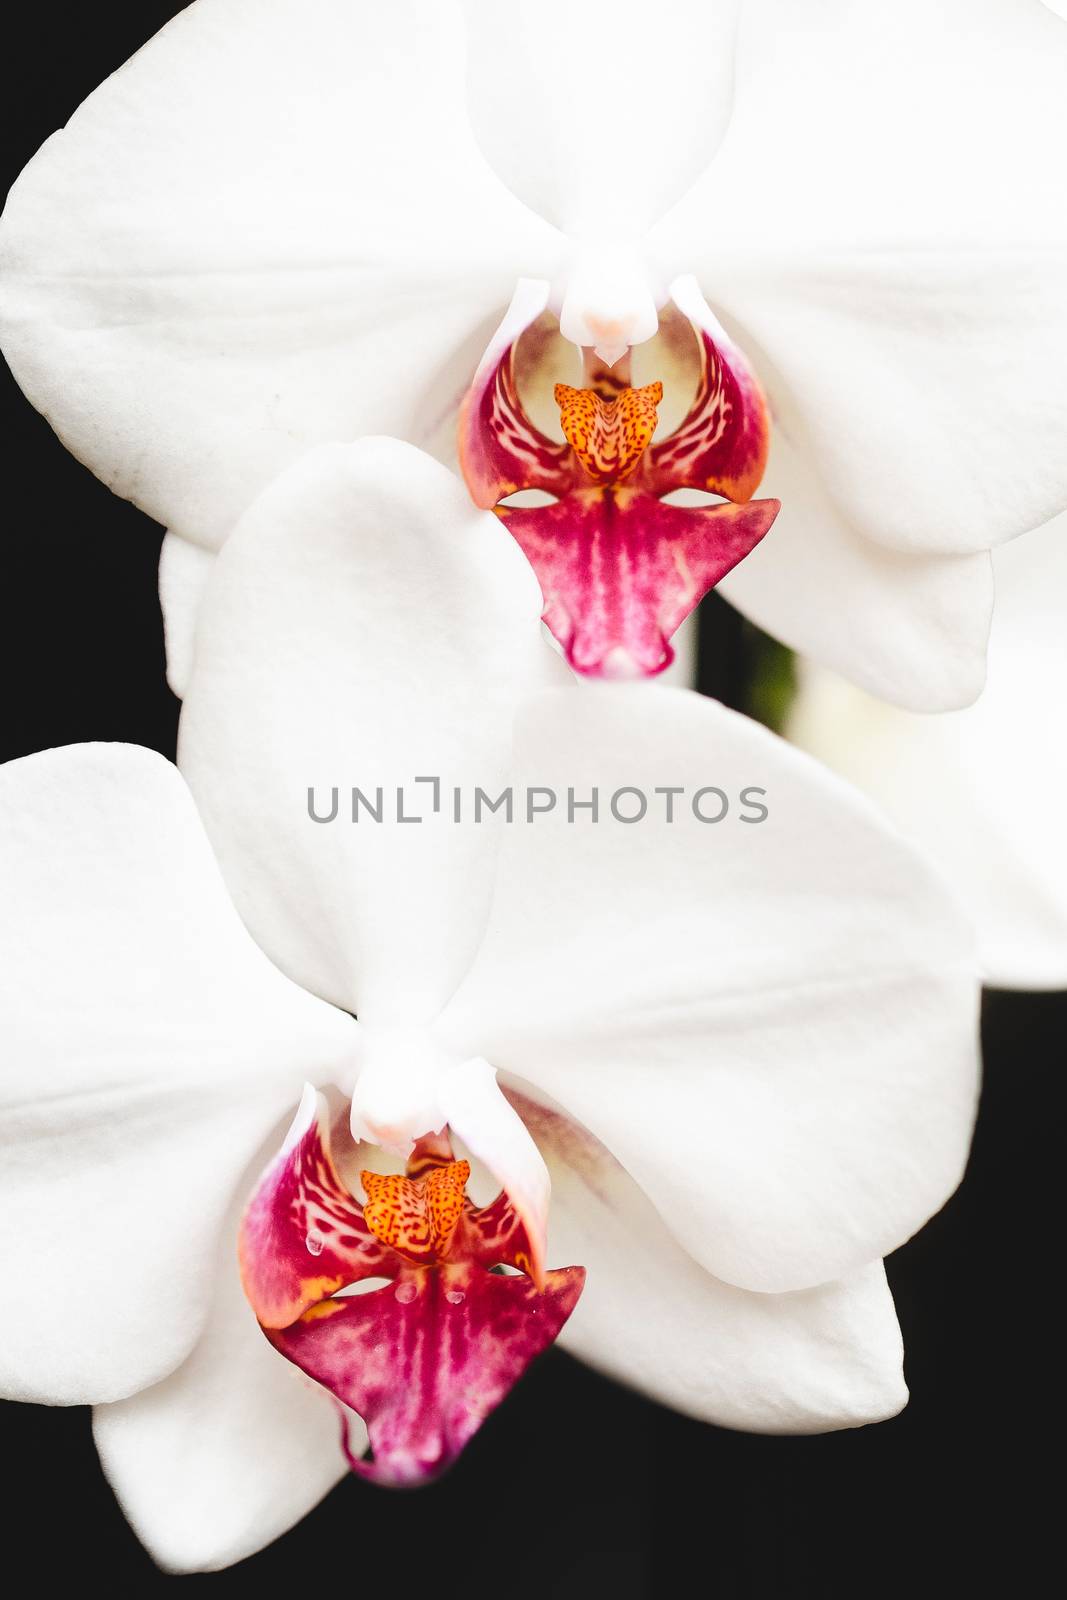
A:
[425,1358]
[620,567]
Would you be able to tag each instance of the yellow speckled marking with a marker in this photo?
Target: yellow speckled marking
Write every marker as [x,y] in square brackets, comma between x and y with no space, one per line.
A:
[609,437]
[416,1216]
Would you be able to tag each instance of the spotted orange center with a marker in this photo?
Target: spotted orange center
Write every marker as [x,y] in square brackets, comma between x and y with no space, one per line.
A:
[608,436]
[416,1216]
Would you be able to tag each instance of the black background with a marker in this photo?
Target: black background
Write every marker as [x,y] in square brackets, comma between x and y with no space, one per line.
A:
[575,1487]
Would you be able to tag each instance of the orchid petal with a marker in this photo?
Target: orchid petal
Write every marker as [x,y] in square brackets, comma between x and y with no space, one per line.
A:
[771,1025]
[150,1048]
[499,448]
[806,1362]
[620,573]
[866,164]
[302,1236]
[912,629]
[426,1360]
[243,244]
[378,544]
[478,1113]
[599,116]
[980,790]
[721,445]
[228,1452]
[184,571]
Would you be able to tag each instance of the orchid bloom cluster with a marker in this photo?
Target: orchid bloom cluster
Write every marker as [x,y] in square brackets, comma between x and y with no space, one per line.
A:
[382,1111]
[723,1068]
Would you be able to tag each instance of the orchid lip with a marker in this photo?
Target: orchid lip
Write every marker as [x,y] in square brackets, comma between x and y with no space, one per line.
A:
[426,1357]
[620,566]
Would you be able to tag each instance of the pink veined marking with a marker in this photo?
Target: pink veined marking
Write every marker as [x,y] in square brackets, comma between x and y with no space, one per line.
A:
[721,445]
[425,1371]
[425,1358]
[621,571]
[300,1196]
[619,568]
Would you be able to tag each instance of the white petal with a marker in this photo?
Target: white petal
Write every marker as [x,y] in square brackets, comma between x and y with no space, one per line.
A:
[805,1362]
[911,628]
[771,1024]
[600,115]
[184,570]
[271,228]
[478,1113]
[229,1451]
[981,790]
[888,228]
[148,1048]
[365,627]
[607,300]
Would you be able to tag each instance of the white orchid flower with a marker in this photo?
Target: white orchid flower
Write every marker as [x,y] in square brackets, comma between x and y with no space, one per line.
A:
[293,221]
[981,790]
[742,1052]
